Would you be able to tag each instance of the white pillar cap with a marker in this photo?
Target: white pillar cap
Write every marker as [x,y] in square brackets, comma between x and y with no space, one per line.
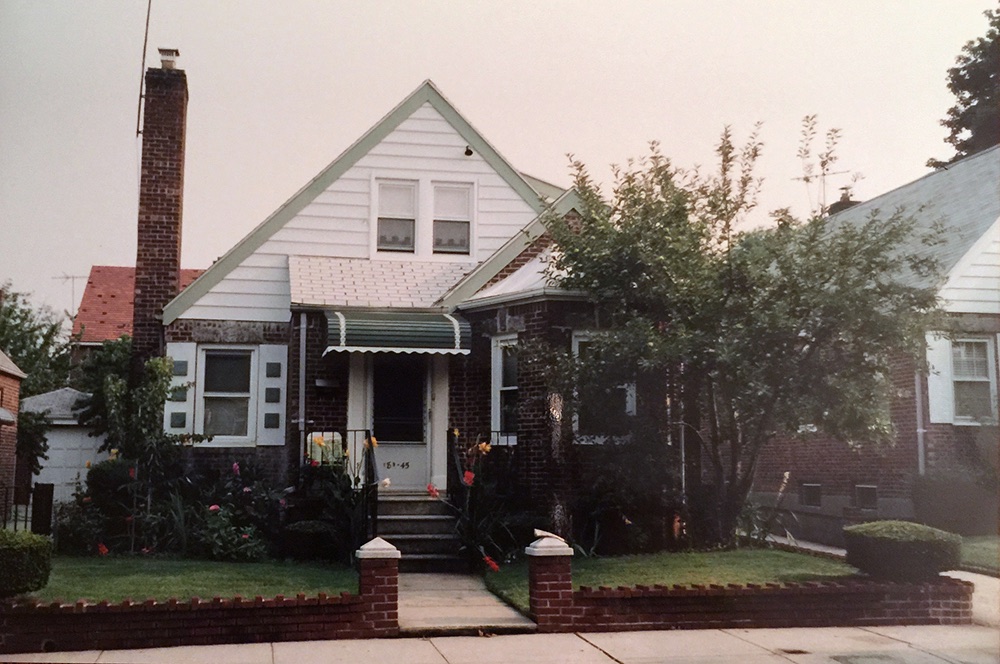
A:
[548,546]
[378,548]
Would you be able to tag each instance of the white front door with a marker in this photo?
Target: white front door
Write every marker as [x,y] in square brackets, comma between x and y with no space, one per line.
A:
[403,399]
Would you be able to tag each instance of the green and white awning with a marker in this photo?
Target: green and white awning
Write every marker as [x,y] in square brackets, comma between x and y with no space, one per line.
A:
[397,332]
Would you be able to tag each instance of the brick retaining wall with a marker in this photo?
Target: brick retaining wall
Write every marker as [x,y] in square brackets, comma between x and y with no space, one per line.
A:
[371,613]
[556,607]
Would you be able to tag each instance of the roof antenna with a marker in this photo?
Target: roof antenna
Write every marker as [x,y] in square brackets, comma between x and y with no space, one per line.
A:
[142,71]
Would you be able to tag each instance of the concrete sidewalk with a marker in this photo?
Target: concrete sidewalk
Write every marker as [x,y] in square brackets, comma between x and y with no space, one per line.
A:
[844,645]
[452,604]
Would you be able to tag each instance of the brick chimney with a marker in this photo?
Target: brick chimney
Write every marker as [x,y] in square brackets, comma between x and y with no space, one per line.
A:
[161,196]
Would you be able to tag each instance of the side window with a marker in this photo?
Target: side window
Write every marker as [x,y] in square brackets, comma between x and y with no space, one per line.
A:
[811,494]
[603,411]
[504,393]
[397,216]
[226,394]
[452,218]
[973,380]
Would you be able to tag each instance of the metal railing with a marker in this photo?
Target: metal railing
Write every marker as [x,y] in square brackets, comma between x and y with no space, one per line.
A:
[27,508]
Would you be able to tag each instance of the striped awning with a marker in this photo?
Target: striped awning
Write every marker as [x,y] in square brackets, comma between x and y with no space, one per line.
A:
[7,417]
[397,332]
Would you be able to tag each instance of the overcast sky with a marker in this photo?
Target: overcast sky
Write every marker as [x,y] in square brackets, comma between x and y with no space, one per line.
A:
[280,89]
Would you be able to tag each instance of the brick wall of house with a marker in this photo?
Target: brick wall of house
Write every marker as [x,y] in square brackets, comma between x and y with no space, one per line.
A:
[10,388]
[161,196]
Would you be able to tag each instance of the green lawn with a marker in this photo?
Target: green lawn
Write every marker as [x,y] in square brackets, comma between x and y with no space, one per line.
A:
[115,579]
[719,567]
[981,554]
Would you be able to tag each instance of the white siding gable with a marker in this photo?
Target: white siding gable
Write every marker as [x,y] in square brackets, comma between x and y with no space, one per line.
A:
[973,285]
[339,220]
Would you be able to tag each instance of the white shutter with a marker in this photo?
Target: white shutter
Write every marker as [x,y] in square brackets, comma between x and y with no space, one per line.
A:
[941,391]
[272,394]
[178,412]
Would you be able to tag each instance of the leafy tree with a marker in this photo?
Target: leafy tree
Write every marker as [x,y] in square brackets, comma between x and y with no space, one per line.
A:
[34,338]
[974,121]
[110,359]
[758,332]
[32,443]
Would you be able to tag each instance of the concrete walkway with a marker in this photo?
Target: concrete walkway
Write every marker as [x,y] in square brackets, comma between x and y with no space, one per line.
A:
[985,598]
[842,645]
[452,604]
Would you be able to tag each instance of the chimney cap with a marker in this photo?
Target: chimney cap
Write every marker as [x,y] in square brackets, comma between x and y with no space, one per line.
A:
[168,57]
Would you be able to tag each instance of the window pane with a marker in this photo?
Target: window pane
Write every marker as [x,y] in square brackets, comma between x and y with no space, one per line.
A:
[969,359]
[226,416]
[972,400]
[395,234]
[604,414]
[811,495]
[508,412]
[451,237]
[397,200]
[227,372]
[452,202]
[508,375]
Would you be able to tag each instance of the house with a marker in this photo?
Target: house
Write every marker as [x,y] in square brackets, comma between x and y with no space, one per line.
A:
[945,417]
[71,447]
[386,296]
[10,390]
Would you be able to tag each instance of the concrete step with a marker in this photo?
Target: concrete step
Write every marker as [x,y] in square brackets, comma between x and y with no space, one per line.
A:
[423,543]
[415,524]
[411,504]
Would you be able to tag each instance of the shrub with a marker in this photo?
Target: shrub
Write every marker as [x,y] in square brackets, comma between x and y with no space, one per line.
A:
[222,539]
[901,551]
[25,562]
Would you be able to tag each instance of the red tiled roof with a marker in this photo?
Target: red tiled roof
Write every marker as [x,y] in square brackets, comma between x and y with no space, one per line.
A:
[106,308]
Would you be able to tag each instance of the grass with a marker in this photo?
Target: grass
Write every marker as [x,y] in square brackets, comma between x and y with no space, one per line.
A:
[115,579]
[721,567]
[981,554]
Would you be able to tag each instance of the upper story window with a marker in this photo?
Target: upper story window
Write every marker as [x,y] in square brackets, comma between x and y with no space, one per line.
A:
[452,218]
[397,216]
[974,380]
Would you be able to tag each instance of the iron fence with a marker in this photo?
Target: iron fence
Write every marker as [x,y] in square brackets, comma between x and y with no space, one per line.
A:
[27,508]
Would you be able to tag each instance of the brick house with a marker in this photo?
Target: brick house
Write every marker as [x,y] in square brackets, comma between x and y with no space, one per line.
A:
[386,295]
[945,418]
[10,390]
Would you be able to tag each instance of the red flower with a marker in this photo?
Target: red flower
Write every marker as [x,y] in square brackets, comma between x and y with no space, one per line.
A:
[101,549]
[314,463]
[131,472]
[245,536]
[492,564]
[214,508]
[433,491]
[468,477]
[236,468]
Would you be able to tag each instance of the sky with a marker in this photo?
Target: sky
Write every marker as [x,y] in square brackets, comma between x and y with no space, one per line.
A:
[279,89]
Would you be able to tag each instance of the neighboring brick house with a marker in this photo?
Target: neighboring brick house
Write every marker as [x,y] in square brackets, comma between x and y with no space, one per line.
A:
[10,390]
[944,418]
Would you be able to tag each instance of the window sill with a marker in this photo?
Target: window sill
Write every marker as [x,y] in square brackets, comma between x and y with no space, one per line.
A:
[973,423]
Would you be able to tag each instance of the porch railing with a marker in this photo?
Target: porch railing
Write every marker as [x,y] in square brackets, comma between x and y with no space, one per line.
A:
[359,457]
[27,508]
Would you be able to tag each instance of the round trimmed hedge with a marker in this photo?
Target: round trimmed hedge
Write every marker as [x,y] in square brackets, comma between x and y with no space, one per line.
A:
[901,551]
[25,562]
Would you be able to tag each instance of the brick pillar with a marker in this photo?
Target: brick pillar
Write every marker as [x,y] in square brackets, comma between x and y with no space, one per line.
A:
[550,584]
[379,587]
[161,195]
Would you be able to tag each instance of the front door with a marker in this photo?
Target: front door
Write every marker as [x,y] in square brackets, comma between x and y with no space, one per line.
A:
[399,407]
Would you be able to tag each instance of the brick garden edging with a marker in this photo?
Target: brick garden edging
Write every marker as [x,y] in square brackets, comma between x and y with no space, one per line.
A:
[371,613]
[556,607]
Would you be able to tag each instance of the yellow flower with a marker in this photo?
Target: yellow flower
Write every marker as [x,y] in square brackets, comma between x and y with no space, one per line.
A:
[485,448]
[320,443]
[87,464]
[371,442]
[318,439]
[454,432]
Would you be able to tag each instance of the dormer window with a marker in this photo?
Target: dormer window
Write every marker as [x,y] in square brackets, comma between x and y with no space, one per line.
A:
[452,218]
[397,216]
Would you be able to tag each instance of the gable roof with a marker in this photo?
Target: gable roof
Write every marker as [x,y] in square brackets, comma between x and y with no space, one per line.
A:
[105,311]
[319,281]
[965,196]
[60,405]
[426,93]
[8,367]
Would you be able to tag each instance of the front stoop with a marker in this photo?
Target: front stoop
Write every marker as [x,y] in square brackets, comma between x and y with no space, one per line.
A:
[423,529]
